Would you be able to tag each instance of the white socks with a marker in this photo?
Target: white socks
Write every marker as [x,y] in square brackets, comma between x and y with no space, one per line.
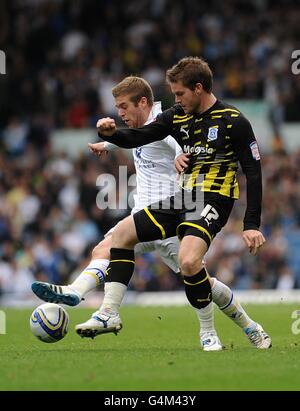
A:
[222,296]
[206,318]
[91,276]
[225,300]
[113,295]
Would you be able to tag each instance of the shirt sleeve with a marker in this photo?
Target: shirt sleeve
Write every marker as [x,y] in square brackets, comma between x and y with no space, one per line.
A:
[136,137]
[109,146]
[247,151]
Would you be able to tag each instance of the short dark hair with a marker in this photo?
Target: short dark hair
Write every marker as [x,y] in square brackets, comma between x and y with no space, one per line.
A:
[190,71]
[135,88]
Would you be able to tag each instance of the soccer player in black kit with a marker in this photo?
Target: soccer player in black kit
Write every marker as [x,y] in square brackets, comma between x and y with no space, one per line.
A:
[217,136]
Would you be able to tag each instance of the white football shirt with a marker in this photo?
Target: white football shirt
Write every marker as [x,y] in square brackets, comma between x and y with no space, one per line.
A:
[154,164]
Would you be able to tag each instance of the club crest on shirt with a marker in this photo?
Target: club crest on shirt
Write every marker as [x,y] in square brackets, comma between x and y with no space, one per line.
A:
[138,152]
[212,133]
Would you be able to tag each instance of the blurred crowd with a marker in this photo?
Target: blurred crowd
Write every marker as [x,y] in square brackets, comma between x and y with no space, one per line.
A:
[63,57]
[49,222]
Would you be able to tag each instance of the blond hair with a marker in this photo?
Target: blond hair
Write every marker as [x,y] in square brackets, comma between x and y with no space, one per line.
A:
[135,88]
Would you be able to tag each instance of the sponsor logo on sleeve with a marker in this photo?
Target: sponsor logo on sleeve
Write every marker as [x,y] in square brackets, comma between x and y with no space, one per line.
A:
[255,151]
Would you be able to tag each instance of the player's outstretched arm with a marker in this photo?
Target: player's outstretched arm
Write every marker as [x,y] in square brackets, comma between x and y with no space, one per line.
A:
[98,148]
[135,137]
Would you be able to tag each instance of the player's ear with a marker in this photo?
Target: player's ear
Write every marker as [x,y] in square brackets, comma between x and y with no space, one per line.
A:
[198,89]
[143,102]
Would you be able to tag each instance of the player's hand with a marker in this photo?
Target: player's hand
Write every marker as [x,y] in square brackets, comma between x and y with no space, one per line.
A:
[182,162]
[254,240]
[98,148]
[106,126]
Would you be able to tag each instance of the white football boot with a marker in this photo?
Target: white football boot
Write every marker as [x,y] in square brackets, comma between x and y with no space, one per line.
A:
[101,322]
[258,337]
[57,294]
[209,341]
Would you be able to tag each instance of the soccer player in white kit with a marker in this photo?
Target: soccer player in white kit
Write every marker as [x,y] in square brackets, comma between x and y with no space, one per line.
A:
[156,179]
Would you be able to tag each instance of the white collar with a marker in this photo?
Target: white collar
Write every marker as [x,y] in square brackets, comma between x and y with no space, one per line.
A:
[155,110]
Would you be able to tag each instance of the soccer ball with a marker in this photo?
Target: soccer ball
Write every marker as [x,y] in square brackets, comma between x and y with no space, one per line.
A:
[49,322]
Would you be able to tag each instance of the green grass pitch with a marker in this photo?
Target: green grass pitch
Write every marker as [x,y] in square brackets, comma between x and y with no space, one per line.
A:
[158,349]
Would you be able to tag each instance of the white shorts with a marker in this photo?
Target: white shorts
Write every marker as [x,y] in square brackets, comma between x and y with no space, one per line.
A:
[167,249]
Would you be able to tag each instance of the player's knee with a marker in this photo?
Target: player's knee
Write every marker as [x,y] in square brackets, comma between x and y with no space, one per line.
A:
[189,265]
[124,235]
[101,251]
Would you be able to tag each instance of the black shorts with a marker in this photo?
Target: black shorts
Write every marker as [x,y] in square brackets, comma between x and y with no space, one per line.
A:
[169,217]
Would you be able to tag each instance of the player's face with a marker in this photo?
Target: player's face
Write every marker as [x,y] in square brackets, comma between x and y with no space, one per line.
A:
[187,98]
[132,115]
